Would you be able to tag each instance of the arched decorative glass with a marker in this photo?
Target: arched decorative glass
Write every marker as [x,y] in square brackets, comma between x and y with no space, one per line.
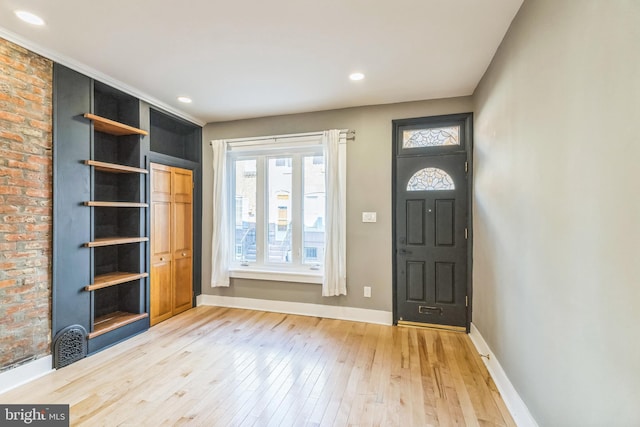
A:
[430,179]
[433,137]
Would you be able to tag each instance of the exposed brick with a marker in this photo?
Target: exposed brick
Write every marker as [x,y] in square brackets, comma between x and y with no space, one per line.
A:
[7,283]
[21,272]
[11,117]
[10,135]
[43,160]
[6,248]
[6,189]
[19,218]
[38,227]
[11,172]
[15,254]
[12,155]
[37,210]
[8,228]
[8,209]
[23,165]
[25,182]
[25,203]
[39,193]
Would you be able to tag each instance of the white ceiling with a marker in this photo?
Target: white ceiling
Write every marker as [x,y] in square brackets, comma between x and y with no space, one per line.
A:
[252,58]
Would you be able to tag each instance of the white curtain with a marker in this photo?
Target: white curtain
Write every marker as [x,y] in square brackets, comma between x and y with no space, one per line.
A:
[334,281]
[220,241]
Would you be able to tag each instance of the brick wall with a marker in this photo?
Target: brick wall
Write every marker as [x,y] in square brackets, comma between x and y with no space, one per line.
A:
[25,205]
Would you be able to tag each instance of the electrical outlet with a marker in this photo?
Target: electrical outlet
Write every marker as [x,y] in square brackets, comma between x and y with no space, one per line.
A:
[367,291]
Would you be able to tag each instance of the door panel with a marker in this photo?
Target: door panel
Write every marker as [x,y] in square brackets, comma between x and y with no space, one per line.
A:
[183,185]
[445,282]
[445,222]
[161,183]
[415,222]
[161,306]
[183,291]
[182,227]
[416,285]
[431,259]
[161,237]
[182,240]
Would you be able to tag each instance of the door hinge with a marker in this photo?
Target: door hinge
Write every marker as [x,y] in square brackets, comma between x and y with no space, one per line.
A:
[466,233]
[466,301]
[466,167]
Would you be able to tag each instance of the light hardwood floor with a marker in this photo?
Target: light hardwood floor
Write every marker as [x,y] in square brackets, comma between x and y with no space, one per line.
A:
[213,366]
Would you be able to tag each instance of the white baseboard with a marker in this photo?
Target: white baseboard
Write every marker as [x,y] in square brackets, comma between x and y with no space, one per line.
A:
[304,309]
[24,373]
[512,399]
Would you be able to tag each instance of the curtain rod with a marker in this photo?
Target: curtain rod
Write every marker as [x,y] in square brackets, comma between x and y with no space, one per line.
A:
[351,135]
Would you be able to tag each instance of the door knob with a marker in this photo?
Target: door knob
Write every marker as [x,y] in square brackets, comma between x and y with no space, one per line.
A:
[161,259]
[403,252]
[184,254]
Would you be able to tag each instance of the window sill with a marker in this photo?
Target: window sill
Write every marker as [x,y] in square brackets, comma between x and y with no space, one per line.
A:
[279,276]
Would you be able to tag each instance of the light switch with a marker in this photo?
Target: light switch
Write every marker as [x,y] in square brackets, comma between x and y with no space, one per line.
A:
[368,217]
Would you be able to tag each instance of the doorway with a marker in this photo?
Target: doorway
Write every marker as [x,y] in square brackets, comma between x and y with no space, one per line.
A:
[171,288]
[432,221]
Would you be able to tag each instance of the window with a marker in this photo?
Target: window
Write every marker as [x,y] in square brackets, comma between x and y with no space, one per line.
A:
[278,200]
[279,209]
[432,137]
[430,179]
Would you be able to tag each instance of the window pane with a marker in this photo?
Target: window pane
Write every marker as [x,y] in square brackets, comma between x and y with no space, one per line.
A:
[313,210]
[279,176]
[430,179]
[434,137]
[245,211]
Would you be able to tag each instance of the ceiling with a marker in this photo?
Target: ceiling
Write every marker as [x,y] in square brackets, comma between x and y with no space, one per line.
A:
[252,58]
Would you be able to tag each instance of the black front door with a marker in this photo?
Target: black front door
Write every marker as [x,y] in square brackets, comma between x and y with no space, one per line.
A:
[431,225]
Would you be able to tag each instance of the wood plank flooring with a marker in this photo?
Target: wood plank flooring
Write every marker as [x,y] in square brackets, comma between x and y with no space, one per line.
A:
[213,366]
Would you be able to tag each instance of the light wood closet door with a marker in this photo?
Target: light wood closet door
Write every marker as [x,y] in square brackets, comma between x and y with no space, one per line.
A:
[182,241]
[171,241]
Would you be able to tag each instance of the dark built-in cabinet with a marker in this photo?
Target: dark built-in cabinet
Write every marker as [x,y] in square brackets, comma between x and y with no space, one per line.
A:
[104,141]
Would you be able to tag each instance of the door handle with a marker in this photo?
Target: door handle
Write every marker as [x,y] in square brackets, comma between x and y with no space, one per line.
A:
[425,309]
[403,252]
[184,254]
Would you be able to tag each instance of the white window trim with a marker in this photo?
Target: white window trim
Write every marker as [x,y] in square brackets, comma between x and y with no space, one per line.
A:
[235,147]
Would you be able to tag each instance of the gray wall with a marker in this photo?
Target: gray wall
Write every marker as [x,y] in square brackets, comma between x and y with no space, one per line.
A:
[369,257]
[557,210]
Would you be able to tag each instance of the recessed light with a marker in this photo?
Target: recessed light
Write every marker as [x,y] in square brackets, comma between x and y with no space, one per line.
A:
[356,76]
[185,99]
[29,17]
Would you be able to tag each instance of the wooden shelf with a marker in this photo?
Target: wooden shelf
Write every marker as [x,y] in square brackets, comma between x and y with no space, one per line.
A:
[112,127]
[111,321]
[113,168]
[116,204]
[108,241]
[112,279]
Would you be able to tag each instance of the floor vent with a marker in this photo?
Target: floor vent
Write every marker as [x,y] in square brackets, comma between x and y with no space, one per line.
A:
[69,345]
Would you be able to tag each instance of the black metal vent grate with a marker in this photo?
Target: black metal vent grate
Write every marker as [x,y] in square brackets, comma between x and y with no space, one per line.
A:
[69,345]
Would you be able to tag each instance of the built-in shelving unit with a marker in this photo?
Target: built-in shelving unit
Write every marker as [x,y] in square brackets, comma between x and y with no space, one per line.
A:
[105,140]
[118,203]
